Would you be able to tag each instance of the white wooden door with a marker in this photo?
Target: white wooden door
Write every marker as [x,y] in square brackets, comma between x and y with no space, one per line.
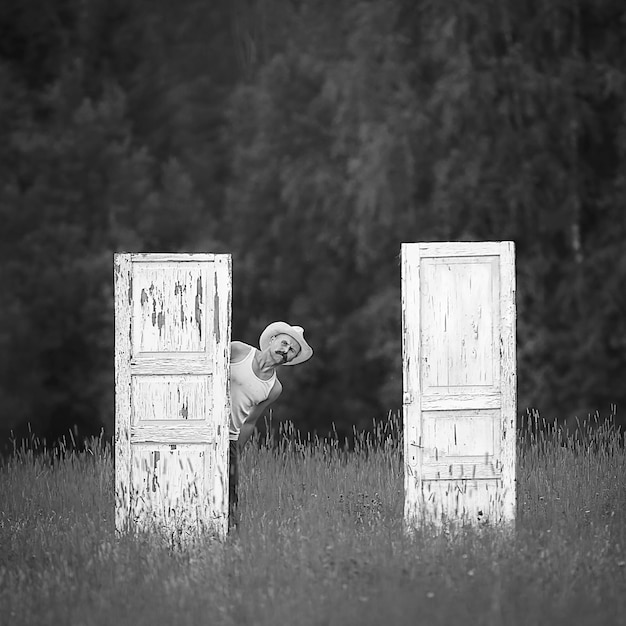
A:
[459,381]
[172,404]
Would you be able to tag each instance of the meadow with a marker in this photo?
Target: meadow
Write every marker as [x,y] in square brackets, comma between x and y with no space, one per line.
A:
[321,541]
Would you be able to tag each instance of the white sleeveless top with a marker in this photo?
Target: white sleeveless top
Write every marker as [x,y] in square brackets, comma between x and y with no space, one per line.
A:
[246,391]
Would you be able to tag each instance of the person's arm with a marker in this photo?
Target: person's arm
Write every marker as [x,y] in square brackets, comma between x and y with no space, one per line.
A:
[248,426]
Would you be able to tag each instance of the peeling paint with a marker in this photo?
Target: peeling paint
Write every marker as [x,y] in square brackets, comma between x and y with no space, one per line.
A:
[459,313]
[198,309]
[179,290]
[155,480]
[187,485]
[216,312]
[184,411]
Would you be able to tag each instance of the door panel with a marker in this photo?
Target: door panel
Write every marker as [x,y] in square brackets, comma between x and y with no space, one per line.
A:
[171,484]
[169,306]
[467,444]
[460,322]
[174,397]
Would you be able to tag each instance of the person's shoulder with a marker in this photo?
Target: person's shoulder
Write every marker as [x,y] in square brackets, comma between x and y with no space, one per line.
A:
[238,351]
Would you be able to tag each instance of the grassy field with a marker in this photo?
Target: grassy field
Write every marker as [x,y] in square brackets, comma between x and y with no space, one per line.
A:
[321,542]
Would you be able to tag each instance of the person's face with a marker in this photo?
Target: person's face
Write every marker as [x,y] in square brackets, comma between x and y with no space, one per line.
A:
[284,348]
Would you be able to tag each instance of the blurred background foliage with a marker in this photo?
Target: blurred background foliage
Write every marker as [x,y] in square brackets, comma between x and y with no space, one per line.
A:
[309,138]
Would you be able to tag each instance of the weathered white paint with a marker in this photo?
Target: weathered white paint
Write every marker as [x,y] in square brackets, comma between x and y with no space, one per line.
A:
[172,351]
[459,379]
[171,397]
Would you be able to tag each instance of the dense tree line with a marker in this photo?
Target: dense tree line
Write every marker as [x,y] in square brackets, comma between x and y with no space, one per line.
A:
[309,139]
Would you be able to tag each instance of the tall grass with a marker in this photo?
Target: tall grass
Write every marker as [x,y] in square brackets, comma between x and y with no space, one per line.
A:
[321,541]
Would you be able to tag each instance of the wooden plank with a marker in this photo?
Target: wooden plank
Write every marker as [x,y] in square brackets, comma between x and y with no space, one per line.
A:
[443,400]
[155,363]
[460,260]
[508,360]
[168,257]
[123,307]
[463,468]
[221,335]
[173,433]
[458,248]
[412,397]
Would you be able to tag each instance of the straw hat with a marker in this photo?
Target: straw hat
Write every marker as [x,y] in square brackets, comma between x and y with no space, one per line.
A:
[296,332]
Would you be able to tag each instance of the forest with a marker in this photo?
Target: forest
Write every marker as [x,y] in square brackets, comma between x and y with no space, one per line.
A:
[309,139]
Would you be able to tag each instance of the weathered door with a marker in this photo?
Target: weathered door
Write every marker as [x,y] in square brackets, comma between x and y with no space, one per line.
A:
[459,379]
[172,351]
